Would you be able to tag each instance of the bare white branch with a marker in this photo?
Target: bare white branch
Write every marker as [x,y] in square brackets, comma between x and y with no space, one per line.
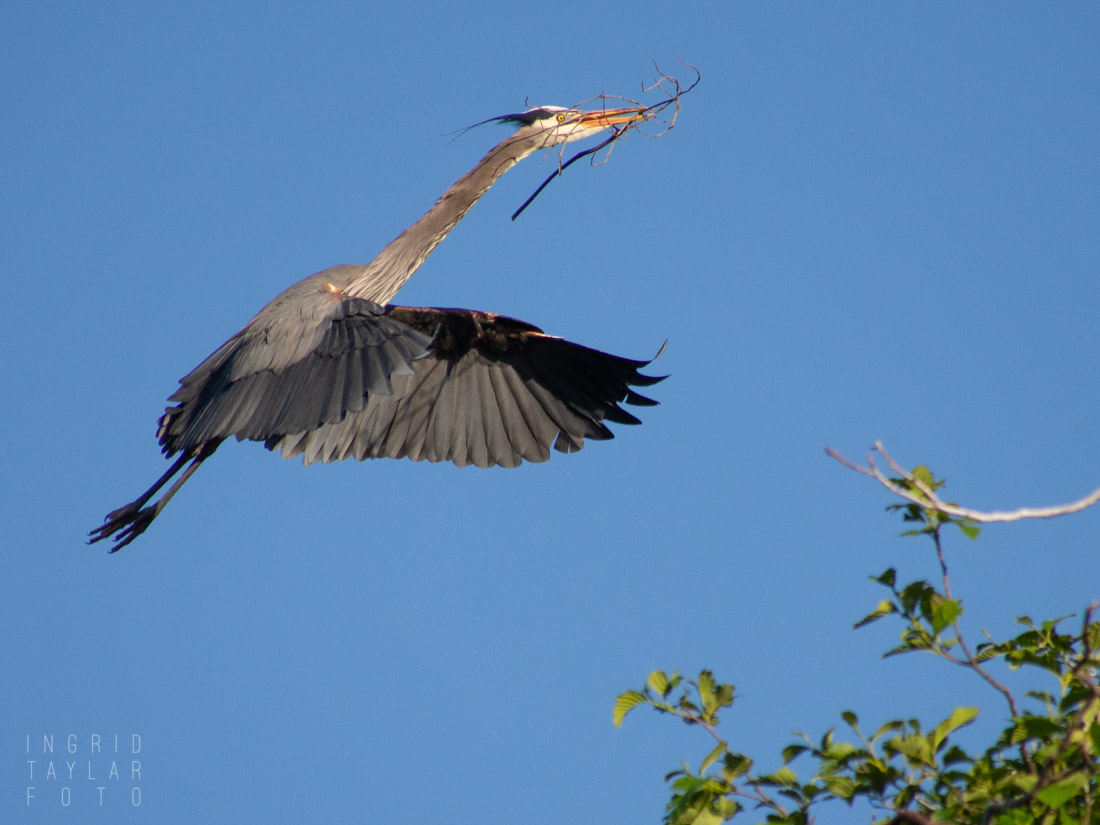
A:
[926,497]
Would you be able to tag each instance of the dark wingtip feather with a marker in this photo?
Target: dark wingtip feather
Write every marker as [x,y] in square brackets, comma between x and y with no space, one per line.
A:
[639,400]
[617,415]
[639,380]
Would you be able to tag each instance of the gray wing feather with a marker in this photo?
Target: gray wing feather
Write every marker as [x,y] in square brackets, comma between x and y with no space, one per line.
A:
[356,380]
[490,392]
[247,389]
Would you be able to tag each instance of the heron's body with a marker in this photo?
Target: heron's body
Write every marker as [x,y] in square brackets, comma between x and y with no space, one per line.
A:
[330,370]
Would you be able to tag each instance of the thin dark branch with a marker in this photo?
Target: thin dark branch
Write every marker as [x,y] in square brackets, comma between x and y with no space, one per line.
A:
[616,134]
[666,84]
[996,685]
[970,660]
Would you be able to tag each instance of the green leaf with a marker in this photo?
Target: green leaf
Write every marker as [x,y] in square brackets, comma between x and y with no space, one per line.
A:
[958,718]
[624,703]
[945,613]
[889,727]
[850,718]
[1015,816]
[988,651]
[734,765]
[924,475]
[791,751]
[1034,727]
[841,750]
[724,695]
[726,807]
[954,755]
[884,608]
[784,777]
[914,747]
[720,750]
[894,651]
[888,578]
[1058,794]
[658,683]
[969,528]
[704,816]
[841,787]
[687,706]
[706,687]
[914,594]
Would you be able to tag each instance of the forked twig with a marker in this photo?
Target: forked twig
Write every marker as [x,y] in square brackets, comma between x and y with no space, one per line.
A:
[666,84]
[926,497]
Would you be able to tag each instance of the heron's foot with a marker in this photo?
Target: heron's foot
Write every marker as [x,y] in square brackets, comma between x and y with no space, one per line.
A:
[125,524]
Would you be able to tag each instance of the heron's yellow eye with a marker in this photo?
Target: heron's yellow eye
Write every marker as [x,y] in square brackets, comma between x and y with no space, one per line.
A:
[561,117]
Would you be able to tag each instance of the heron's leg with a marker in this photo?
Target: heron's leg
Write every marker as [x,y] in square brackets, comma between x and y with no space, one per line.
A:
[141,500]
[128,522]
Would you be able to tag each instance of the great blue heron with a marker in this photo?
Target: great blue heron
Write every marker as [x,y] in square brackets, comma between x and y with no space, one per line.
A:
[330,370]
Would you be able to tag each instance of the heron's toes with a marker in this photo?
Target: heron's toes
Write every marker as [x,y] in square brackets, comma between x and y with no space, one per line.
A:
[125,524]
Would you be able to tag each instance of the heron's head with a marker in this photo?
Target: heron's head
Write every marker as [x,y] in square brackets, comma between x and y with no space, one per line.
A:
[554,125]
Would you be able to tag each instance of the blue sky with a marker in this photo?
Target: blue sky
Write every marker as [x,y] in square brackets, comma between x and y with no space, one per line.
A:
[871,221]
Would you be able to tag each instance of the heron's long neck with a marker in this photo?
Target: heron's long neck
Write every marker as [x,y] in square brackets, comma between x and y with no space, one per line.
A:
[396,263]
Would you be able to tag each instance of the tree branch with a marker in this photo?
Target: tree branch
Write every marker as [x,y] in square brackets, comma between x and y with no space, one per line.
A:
[926,497]
[970,661]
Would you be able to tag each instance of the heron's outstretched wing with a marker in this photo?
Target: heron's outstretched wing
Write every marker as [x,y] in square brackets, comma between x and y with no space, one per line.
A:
[488,390]
[290,372]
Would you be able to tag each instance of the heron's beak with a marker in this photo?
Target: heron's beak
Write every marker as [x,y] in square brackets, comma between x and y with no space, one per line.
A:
[607,118]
